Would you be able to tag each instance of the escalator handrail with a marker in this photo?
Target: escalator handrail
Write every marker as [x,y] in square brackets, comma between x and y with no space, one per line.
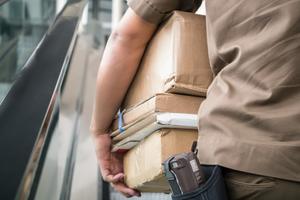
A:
[29,107]
[3,2]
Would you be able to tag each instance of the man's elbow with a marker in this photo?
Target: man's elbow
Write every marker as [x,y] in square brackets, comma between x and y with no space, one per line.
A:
[132,30]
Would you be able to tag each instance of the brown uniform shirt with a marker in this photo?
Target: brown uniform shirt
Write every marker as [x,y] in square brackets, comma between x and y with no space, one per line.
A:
[250,120]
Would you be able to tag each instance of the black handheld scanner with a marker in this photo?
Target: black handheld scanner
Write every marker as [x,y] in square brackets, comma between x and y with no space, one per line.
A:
[183,172]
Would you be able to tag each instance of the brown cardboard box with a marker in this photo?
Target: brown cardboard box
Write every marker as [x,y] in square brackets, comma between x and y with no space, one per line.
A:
[162,102]
[175,61]
[142,164]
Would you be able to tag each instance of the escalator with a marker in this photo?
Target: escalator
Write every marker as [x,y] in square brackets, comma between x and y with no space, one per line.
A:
[37,45]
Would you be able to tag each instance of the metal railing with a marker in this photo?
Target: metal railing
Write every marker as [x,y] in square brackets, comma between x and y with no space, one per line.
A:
[3,2]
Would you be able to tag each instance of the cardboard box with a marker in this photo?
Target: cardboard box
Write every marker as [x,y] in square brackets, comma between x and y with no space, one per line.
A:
[175,61]
[142,164]
[137,132]
[163,102]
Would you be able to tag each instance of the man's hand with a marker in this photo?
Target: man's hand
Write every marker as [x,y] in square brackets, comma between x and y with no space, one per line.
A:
[111,165]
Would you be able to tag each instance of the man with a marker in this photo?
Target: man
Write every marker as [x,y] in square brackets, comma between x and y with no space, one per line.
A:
[250,121]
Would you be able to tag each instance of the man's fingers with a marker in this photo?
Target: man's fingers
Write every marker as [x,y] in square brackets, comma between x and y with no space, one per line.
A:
[113,178]
[118,178]
[126,195]
[108,178]
[126,191]
[106,175]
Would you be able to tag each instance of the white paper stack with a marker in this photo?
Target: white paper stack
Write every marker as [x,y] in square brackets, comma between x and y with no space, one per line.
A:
[134,134]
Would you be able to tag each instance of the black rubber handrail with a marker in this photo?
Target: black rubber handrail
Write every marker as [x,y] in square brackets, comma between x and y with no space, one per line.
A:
[3,2]
[29,107]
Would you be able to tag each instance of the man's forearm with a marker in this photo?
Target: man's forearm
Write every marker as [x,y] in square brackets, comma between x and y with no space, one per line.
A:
[117,69]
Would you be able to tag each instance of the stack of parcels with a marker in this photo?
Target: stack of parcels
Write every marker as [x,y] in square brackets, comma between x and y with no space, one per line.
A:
[159,114]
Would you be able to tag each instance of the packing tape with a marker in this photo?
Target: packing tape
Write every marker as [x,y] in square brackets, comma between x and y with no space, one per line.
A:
[120,121]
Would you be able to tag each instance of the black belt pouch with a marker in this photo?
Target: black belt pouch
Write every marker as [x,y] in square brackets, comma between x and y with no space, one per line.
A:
[213,189]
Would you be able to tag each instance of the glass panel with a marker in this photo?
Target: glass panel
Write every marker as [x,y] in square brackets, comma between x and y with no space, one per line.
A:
[22,25]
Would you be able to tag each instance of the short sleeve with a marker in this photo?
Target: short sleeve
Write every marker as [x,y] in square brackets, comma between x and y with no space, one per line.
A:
[154,11]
